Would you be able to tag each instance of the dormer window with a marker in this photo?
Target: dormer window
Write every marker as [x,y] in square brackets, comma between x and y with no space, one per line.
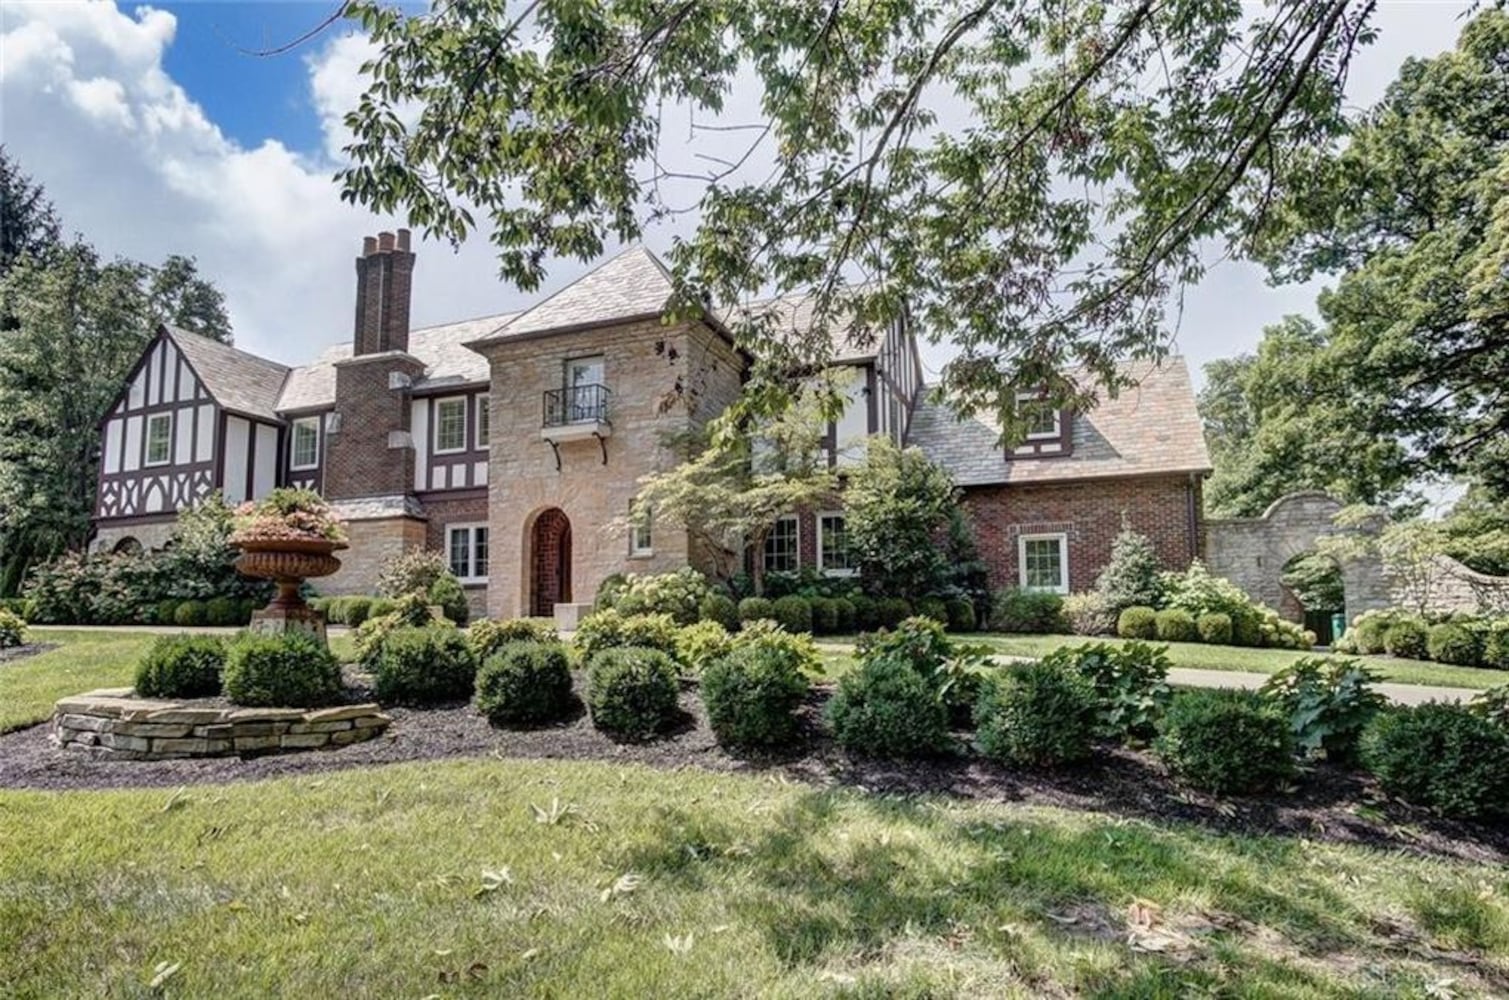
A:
[1042,419]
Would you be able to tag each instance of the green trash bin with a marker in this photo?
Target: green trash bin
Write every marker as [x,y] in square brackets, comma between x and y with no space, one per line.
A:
[1338,626]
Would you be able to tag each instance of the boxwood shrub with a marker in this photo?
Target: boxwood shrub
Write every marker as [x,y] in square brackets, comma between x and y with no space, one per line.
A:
[1030,611]
[793,613]
[887,709]
[892,611]
[960,615]
[753,609]
[191,614]
[288,670]
[222,611]
[525,683]
[1226,742]
[423,666]
[752,695]
[1214,628]
[1039,715]
[1496,647]
[12,629]
[1176,625]
[1137,622]
[824,616]
[935,608]
[165,612]
[848,615]
[488,635]
[631,691]
[866,612]
[357,610]
[1368,631]
[719,608]
[1408,638]
[1440,756]
[180,666]
[1452,643]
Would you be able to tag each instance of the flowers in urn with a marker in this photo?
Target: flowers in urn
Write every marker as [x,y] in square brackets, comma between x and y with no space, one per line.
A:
[288,515]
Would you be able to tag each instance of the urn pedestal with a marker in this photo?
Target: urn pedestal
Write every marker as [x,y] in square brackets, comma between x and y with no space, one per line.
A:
[288,563]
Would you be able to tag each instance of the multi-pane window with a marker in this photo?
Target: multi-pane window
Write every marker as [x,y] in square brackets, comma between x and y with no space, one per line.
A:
[833,553]
[484,421]
[306,443]
[450,424]
[782,548]
[159,438]
[1039,415]
[1044,562]
[467,549]
[641,537]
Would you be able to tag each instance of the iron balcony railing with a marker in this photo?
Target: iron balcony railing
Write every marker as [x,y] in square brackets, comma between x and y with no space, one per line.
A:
[576,404]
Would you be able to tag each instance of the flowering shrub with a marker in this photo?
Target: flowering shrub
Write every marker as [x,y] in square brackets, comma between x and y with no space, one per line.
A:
[288,515]
[411,572]
[677,594]
[1200,592]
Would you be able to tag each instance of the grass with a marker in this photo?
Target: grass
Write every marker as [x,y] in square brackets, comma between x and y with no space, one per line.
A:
[509,878]
[87,660]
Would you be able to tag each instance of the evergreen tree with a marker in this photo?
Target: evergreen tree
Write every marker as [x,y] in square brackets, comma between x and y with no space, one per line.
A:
[1131,577]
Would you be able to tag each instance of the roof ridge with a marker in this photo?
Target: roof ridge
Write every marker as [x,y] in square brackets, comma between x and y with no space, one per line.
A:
[213,344]
[639,248]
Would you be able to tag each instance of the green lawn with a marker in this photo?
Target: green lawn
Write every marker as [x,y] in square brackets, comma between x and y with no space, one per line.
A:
[511,878]
[87,660]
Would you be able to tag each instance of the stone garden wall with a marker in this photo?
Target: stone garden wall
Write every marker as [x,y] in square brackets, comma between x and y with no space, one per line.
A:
[113,722]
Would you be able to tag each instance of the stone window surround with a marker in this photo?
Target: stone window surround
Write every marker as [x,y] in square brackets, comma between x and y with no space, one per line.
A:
[164,420]
[642,538]
[1062,539]
[470,528]
[438,404]
[821,541]
[294,464]
[795,549]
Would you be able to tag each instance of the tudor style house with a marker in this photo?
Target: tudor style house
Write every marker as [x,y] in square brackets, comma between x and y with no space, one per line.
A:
[513,443]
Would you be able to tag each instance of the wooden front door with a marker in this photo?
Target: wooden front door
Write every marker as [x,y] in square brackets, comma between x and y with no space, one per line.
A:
[550,573]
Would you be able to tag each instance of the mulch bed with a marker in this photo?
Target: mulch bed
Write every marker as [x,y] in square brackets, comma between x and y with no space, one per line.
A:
[1329,804]
[10,654]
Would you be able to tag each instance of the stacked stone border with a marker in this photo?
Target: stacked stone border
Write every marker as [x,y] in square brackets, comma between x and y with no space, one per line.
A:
[113,722]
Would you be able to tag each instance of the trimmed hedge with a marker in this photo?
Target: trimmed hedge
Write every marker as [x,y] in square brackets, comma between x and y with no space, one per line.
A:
[1040,715]
[1440,756]
[866,612]
[181,666]
[1454,644]
[960,615]
[632,691]
[526,683]
[289,670]
[887,709]
[848,615]
[892,611]
[1029,611]
[935,608]
[753,609]
[1137,623]
[752,695]
[12,629]
[793,613]
[1215,628]
[824,615]
[1496,647]
[1176,625]
[423,666]
[719,608]
[191,614]
[1406,637]
[488,635]
[1226,742]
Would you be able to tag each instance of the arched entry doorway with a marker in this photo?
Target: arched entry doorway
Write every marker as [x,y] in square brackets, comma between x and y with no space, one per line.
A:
[1314,588]
[550,562]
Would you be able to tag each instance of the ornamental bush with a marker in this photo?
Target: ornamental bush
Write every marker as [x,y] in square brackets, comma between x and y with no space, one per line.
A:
[525,682]
[1030,611]
[1130,682]
[824,615]
[1039,715]
[1369,629]
[357,610]
[1452,643]
[960,612]
[701,643]
[1492,705]
[12,629]
[1440,756]
[191,614]
[412,572]
[679,594]
[611,630]
[1226,742]
[1088,613]
[424,666]
[935,608]
[1329,703]
[1407,637]
[1214,628]
[892,611]
[1176,625]
[921,643]
[222,612]
[754,609]
[1137,623]
[181,666]
[409,611]
[887,709]
[794,613]
[448,593]
[866,612]
[848,615]
[165,612]
[1132,577]
[488,635]
[797,647]
[752,695]
[288,670]
[1496,646]
[631,691]
[719,608]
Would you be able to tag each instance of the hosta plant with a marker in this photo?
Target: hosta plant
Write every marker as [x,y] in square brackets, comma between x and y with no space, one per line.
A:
[1329,702]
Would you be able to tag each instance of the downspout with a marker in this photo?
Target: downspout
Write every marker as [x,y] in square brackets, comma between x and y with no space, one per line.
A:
[1193,505]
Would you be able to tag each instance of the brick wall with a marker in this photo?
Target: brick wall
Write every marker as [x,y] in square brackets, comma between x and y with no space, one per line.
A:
[1090,513]
[359,461]
[447,510]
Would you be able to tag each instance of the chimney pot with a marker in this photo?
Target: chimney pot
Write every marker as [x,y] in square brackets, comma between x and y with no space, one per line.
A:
[384,242]
[369,246]
[403,239]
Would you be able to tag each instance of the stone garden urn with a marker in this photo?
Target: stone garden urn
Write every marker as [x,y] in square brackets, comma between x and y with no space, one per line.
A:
[288,562]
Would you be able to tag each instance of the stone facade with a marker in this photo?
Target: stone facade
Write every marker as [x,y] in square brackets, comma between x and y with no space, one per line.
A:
[643,365]
[113,722]
[148,534]
[1089,513]
[372,543]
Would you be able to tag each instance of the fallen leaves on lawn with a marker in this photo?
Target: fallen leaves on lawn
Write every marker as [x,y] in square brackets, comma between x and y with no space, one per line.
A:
[1148,932]
[162,972]
[679,945]
[492,881]
[623,885]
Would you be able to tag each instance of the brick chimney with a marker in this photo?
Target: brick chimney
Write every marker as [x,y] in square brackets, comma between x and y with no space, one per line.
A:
[384,279]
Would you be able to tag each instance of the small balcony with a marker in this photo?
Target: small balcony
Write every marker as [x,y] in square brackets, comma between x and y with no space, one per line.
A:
[573,412]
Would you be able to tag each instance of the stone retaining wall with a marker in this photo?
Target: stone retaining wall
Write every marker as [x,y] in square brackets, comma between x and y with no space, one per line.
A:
[113,722]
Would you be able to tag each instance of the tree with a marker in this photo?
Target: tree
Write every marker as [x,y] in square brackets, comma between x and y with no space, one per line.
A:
[728,493]
[28,223]
[1286,418]
[1091,150]
[1412,218]
[896,505]
[177,295]
[1132,577]
[1477,531]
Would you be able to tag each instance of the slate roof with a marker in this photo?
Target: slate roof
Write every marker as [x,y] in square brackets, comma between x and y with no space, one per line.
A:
[631,285]
[794,315]
[237,380]
[1151,428]
[446,362]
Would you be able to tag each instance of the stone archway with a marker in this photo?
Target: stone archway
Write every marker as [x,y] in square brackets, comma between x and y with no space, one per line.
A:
[549,562]
[128,546]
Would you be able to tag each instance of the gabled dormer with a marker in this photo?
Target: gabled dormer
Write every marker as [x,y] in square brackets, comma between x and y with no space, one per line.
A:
[1049,430]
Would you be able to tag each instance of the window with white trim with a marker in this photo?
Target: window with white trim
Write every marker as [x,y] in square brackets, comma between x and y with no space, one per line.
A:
[1042,419]
[484,418]
[642,536]
[159,438]
[833,554]
[304,452]
[783,546]
[1043,562]
[466,547]
[450,425]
